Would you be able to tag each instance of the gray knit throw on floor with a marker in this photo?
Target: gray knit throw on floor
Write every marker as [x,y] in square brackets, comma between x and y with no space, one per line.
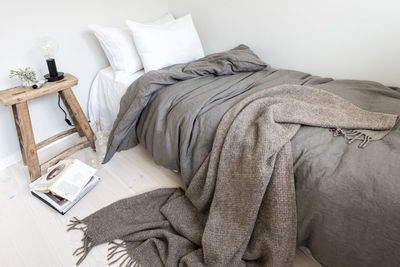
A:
[240,207]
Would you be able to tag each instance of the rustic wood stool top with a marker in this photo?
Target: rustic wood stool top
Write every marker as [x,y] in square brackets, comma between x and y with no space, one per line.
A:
[21,94]
[17,97]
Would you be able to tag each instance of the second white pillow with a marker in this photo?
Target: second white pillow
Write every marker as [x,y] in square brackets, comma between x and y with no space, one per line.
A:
[172,43]
[120,49]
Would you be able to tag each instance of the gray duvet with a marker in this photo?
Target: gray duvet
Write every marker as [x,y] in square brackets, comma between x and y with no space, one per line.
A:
[348,199]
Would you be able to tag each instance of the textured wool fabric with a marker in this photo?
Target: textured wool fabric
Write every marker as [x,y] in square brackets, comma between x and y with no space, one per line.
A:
[239,208]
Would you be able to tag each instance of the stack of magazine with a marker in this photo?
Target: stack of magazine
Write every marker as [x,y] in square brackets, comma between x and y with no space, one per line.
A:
[65,184]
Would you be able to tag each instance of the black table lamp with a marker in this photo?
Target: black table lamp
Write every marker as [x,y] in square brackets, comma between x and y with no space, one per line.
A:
[49,49]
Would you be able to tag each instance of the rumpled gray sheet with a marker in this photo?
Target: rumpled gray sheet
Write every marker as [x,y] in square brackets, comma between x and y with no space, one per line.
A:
[348,199]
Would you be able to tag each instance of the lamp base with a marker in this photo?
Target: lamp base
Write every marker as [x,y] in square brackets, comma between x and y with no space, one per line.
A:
[60,76]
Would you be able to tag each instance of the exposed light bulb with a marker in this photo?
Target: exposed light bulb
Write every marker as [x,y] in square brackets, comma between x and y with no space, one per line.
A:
[49,47]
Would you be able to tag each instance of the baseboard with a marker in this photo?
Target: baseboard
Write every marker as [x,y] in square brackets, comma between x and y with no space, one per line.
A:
[15,157]
[9,160]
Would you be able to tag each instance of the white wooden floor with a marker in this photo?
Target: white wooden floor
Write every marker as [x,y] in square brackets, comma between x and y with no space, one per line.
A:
[33,234]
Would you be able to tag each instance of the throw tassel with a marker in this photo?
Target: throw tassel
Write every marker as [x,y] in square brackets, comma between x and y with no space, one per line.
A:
[76,224]
[120,250]
[353,135]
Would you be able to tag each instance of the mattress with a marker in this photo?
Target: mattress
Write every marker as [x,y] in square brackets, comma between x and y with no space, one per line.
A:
[105,96]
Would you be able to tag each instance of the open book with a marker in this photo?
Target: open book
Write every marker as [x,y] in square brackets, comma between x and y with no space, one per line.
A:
[62,205]
[66,179]
[65,184]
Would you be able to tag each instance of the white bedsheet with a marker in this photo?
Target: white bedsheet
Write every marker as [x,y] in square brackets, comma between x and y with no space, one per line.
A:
[105,95]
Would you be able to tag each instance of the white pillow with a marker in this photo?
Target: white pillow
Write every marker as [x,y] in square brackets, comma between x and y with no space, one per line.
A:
[120,49]
[163,45]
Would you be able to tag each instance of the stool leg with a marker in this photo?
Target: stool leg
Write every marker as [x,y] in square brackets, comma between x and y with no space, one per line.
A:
[75,111]
[21,146]
[28,140]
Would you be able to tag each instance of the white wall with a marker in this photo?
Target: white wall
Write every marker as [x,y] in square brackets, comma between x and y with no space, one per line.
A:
[24,22]
[347,39]
[355,39]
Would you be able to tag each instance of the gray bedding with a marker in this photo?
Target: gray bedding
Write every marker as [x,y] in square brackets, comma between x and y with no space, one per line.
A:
[348,199]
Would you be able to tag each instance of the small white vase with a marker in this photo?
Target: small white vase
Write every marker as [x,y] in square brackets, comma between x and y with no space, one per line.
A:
[26,83]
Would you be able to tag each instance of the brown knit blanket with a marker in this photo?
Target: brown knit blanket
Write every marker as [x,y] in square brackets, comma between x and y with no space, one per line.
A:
[239,208]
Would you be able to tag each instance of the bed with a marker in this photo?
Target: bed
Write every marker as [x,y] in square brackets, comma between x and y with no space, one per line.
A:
[347,199]
[105,96]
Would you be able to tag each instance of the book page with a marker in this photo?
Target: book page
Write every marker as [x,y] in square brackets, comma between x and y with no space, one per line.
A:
[73,180]
[44,183]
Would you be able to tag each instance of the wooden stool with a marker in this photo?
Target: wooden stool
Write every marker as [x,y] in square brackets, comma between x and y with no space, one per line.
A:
[17,97]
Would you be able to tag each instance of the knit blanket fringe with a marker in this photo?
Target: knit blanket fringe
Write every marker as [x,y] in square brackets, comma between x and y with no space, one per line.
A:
[353,135]
[83,251]
[117,251]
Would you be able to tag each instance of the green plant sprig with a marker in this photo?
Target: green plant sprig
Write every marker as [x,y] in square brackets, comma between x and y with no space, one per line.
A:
[27,74]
